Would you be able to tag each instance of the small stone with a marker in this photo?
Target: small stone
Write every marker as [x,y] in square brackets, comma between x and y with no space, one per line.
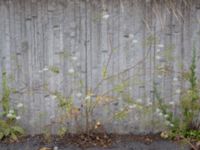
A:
[55,148]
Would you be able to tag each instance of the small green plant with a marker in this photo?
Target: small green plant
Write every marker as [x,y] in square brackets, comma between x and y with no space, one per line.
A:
[6,94]
[47,134]
[8,126]
[68,111]
[164,109]
[184,126]
[8,130]
[190,104]
[54,69]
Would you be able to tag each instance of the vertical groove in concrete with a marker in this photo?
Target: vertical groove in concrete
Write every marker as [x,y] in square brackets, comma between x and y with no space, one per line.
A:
[39,33]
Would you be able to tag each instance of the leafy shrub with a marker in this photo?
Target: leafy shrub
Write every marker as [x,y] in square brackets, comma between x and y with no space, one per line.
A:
[8,127]
[186,125]
[190,104]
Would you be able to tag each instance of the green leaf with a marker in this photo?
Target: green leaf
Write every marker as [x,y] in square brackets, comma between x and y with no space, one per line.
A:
[6,93]
[6,132]
[104,72]
[62,131]
[13,136]
[3,124]
[150,40]
[1,135]
[55,69]
[63,54]
[69,104]
[119,88]
[114,49]
[121,115]
[18,129]
[127,98]
[168,52]
[81,83]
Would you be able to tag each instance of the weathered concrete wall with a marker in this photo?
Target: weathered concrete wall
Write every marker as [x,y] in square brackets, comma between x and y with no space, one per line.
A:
[148,37]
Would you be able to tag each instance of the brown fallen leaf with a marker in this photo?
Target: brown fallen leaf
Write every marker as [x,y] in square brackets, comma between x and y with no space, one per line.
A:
[148,141]
[45,148]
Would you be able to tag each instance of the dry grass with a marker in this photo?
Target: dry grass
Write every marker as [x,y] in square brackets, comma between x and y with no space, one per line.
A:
[172,7]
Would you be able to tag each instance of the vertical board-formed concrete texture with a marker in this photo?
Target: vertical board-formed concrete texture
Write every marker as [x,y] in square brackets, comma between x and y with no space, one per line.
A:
[69,46]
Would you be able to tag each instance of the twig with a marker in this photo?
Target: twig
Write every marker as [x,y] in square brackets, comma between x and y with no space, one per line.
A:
[187,141]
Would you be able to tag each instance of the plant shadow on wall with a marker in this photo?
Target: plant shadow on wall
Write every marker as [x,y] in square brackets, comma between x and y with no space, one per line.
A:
[9,128]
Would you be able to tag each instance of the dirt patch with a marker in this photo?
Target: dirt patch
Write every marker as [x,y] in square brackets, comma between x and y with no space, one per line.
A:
[94,141]
[97,139]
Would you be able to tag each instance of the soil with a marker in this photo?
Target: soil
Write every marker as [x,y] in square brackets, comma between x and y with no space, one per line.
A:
[94,142]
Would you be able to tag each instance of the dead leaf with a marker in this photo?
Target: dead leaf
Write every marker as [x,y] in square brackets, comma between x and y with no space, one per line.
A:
[45,148]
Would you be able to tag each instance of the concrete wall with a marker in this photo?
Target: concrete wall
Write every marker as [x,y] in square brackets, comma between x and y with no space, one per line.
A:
[144,41]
